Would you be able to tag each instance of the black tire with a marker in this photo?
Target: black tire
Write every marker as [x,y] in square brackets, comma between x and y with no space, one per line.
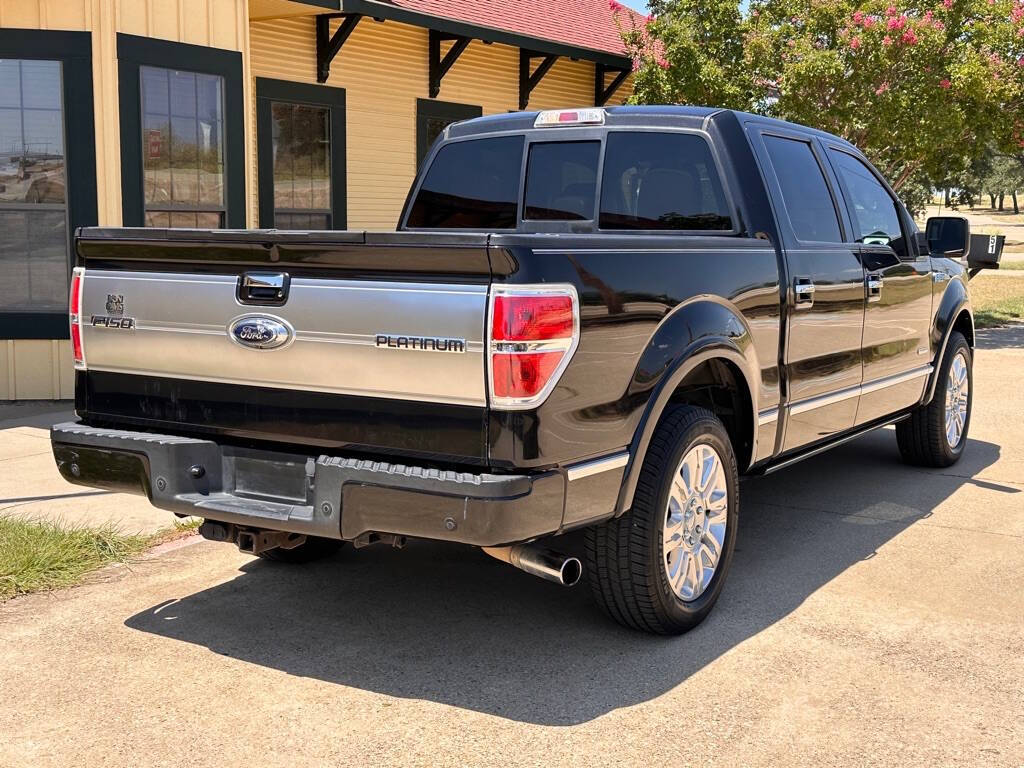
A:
[625,555]
[922,438]
[313,548]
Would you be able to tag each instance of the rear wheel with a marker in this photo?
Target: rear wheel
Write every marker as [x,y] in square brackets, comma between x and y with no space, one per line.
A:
[661,566]
[313,548]
[936,433]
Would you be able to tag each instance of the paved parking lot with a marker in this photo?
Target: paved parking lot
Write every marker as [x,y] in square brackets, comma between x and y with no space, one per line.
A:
[874,615]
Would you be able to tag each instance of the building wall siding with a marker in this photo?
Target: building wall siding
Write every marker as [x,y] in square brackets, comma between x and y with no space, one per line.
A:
[383,69]
[42,369]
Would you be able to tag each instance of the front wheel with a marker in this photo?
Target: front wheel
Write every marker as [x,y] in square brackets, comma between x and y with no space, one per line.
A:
[661,566]
[936,433]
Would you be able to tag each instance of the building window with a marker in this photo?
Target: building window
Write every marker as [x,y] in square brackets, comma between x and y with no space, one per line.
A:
[432,117]
[301,155]
[33,210]
[47,175]
[183,148]
[182,135]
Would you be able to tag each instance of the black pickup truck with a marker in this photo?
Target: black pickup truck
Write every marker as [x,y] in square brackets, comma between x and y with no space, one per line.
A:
[592,318]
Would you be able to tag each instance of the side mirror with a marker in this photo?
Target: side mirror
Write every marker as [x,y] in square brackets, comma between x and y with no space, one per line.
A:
[948,236]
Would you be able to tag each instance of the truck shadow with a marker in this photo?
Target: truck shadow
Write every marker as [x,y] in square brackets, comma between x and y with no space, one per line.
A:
[446,623]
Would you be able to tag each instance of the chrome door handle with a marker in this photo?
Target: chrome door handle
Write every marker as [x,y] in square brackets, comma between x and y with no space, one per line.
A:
[874,283]
[803,292]
[940,277]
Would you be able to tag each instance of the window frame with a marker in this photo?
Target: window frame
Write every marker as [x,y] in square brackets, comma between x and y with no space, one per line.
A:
[74,52]
[269,91]
[831,184]
[133,53]
[440,110]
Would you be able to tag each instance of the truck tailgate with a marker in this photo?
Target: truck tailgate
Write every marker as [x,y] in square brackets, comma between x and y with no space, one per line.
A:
[360,333]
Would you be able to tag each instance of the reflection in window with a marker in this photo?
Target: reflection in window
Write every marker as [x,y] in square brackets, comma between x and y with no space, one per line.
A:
[33,210]
[183,148]
[302,166]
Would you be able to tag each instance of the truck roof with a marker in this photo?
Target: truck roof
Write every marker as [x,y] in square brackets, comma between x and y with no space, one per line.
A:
[644,115]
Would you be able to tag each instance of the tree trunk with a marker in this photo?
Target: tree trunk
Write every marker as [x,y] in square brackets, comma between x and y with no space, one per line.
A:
[1016,208]
[946,197]
[1002,196]
[993,199]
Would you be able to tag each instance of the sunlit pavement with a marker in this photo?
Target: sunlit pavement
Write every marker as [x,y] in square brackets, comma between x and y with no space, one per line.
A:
[874,615]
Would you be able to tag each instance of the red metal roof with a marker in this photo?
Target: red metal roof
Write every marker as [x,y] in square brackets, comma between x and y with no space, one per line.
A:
[592,24]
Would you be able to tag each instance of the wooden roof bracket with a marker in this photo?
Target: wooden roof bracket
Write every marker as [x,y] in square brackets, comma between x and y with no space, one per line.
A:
[604,92]
[439,67]
[528,81]
[328,45]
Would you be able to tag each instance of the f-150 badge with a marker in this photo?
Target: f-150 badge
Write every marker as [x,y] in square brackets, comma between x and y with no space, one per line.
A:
[260,332]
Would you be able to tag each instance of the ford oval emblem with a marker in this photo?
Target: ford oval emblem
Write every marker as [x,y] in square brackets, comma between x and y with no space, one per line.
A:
[260,332]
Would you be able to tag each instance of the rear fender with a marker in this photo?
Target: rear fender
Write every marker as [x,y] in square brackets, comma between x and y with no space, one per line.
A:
[702,330]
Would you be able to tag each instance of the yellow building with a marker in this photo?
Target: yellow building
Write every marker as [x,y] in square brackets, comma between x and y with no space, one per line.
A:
[293,114]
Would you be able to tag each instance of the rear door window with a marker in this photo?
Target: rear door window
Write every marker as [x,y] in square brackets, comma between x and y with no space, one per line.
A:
[804,190]
[657,180]
[561,180]
[471,185]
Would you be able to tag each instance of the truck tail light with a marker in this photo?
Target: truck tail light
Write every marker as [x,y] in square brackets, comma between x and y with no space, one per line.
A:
[75,316]
[533,332]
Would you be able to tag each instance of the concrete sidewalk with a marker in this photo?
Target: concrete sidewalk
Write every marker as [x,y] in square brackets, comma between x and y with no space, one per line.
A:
[32,488]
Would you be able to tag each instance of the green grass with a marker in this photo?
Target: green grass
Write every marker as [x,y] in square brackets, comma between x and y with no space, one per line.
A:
[997,300]
[43,555]
[1014,265]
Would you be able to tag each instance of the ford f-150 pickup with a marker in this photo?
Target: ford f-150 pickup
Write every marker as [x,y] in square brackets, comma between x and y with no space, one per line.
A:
[590,318]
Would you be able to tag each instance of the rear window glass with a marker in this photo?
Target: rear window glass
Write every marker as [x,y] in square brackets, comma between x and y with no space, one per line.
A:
[661,181]
[804,190]
[471,185]
[561,180]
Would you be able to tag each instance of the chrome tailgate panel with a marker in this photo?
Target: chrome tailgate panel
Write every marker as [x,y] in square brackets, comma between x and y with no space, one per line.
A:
[338,343]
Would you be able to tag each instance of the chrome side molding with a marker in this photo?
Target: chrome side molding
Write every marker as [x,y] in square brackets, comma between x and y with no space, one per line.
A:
[596,466]
[821,401]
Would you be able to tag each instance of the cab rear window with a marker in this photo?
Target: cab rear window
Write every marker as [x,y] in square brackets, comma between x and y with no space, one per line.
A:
[661,181]
[471,185]
[650,181]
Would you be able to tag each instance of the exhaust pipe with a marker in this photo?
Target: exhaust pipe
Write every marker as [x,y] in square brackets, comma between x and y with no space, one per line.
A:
[538,561]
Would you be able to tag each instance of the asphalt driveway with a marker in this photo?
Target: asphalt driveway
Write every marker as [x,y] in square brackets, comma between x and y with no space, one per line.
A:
[874,615]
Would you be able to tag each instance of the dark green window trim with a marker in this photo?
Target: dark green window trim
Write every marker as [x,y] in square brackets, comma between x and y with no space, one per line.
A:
[134,52]
[268,91]
[74,51]
[443,110]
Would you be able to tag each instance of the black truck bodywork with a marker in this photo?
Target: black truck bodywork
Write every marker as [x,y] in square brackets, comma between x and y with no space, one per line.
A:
[795,344]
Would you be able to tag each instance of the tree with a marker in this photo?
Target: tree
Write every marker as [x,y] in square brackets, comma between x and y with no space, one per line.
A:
[921,88]
[1005,177]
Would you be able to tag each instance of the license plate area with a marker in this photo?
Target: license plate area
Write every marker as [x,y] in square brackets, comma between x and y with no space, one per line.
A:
[270,476]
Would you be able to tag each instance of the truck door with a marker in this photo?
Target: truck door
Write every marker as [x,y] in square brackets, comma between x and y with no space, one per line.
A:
[825,304]
[898,287]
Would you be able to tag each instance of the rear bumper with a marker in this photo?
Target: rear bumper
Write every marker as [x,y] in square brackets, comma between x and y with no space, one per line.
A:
[325,496]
